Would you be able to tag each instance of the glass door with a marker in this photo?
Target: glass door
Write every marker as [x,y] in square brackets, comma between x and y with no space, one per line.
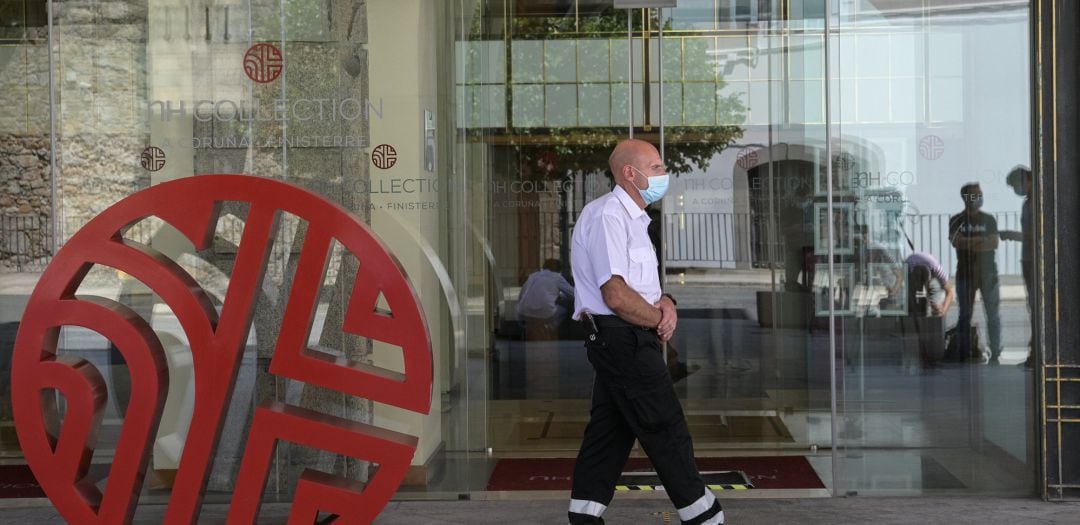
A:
[818,151]
[737,100]
[931,111]
[733,94]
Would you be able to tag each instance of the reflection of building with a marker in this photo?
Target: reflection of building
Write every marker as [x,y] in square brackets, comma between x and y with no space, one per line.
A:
[528,98]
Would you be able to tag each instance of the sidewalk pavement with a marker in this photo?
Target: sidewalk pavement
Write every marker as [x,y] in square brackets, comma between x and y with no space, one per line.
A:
[656,509]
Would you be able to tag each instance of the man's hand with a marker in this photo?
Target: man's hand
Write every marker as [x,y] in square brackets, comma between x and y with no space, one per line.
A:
[668,318]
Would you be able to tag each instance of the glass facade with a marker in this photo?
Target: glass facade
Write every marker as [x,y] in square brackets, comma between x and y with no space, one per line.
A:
[820,234]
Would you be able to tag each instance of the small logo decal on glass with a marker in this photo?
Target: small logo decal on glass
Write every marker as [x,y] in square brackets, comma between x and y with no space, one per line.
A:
[384,156]
[747,159]
[152,159]
[263,63]
[931,147]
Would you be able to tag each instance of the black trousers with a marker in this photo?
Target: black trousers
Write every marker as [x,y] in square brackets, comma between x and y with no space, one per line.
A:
[633,397]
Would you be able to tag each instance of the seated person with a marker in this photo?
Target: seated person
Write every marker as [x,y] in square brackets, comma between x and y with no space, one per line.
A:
[539,306]
[925,276]
[926,280]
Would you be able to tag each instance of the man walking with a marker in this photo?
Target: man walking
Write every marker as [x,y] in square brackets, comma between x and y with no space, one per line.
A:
[974,234]
[628,317]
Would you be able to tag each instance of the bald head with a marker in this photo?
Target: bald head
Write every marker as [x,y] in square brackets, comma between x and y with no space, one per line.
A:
[632,163]
[629,152]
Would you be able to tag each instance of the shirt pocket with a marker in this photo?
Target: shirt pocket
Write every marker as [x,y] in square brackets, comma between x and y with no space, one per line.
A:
[642,263]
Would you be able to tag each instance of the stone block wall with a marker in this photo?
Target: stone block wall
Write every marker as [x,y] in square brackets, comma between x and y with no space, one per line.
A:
[25,185]
[25,202]
[100,85]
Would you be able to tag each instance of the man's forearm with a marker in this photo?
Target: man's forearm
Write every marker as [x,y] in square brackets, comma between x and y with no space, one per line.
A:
[950,294]
[640,313]
[628,305]
[976,244]
[964,244]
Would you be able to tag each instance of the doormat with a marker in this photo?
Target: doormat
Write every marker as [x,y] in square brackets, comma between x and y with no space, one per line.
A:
[761,472]
[718,480]
[705,427]
[17,481]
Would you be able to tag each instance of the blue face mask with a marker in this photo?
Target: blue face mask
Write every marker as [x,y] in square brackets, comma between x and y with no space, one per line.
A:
[657,187]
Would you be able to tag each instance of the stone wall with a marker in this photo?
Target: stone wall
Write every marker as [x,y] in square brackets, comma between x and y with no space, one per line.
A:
[100,87]
[25,194]
[25,202]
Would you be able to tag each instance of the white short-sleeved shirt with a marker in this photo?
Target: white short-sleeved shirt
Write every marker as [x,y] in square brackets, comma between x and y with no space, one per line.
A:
[611,237]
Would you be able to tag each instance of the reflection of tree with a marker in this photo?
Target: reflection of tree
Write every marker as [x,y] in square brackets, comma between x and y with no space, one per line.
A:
[539,54]
[582,147]
[558,150]
[607,20]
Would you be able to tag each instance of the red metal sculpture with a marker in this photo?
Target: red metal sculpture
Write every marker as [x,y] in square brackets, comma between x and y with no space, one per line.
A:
[58,449]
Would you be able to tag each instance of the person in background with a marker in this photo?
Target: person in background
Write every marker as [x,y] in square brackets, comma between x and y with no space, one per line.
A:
[974,234]
[925,276]
[1021,181]
[628,317]
[926,281]
[538,304]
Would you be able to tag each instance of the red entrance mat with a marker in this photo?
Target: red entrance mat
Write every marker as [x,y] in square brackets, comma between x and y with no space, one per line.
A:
[764,472]
[17,481]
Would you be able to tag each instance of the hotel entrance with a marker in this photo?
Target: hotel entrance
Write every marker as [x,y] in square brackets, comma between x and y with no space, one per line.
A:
[850,232]
[817,159]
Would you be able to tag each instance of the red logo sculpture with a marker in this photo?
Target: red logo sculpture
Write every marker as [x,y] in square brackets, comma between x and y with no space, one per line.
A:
[59,450]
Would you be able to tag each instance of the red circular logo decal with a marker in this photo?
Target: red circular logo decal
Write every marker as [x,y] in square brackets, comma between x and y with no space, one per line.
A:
[747,159]
[263,63]
[931,147]
[58,447]
[384,156]
[152,159]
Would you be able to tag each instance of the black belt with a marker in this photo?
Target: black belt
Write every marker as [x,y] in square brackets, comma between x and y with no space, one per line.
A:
[606,321]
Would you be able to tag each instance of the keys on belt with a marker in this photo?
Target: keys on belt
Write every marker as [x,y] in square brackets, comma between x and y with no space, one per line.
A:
[590,326]
[593,322]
